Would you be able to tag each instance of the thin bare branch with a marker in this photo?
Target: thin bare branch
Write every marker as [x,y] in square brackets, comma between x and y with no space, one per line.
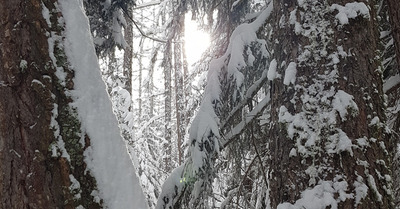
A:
[139,29]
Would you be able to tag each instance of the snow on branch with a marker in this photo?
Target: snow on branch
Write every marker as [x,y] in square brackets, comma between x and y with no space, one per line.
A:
[239,128]
[204,135]
[251,91]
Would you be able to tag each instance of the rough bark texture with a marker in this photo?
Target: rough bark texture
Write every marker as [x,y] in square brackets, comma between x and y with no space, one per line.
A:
[394,17]
[394,123]
[317,76]
[128,53]
[31,177]
[179,88]
[167,107]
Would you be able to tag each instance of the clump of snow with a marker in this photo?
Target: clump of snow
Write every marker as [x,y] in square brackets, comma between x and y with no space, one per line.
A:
[272,74]
[362,142]
[173,184]
[107,158]
[23,64]
[344,102]
[57,147]
[250,58]
[75,187]
[117,33]
[290,74]
[293,153]
[360,189]
[320,196]
[35,81]
[46,14]
[339,142]
[293,21]
[284,115]
[372,184]
[350,11]
[374,121]
[312,172]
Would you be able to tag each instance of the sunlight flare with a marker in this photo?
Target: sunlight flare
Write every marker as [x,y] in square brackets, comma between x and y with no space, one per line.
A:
[196,40]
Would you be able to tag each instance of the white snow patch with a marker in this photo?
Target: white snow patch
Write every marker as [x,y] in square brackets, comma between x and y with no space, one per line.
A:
[344,102]
[313,173]
[284,115]
[107,157]
[75,187]
[290,74]
[118,22]
[372,184]
[362,142]
[339,142]
[23,64]
[321,196]
[173,184]
[46,14]
[293,153]
[37,82]
[57,147]
[391,82]
[272,70]
[293,21]
[350,11]
[374,121]
[251,57]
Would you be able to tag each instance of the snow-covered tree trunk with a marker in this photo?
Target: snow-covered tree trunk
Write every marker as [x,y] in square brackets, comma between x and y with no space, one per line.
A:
[167,64]
[30,177]
[60,146]
[179,86]
[328,141]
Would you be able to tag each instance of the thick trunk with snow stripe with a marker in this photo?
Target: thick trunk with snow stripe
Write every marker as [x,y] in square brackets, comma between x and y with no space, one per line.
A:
[60,145]
[328,138]
[36,170]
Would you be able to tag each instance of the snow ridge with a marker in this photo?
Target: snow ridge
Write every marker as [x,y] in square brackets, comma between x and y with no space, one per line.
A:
[107,158]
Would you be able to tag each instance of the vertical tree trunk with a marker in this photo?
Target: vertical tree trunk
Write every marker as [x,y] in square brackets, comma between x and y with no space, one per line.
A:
[167,106]
[394,17]
[317,136]
[140,85]
[179,88]
[150,84]
[33,105]
[128,54]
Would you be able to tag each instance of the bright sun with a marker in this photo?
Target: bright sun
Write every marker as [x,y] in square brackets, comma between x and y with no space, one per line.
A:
[196,41]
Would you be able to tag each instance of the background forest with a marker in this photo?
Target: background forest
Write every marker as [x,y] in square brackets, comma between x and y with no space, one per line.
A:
[288,104]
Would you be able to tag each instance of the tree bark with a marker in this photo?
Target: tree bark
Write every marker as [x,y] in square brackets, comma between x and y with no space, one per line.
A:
[31,175]
[167,107]
[128,54]
[394,17]
[307,128]
[179,88]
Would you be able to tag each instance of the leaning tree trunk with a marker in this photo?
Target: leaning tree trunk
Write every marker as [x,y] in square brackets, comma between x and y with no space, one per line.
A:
[327,140]
[33,106]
